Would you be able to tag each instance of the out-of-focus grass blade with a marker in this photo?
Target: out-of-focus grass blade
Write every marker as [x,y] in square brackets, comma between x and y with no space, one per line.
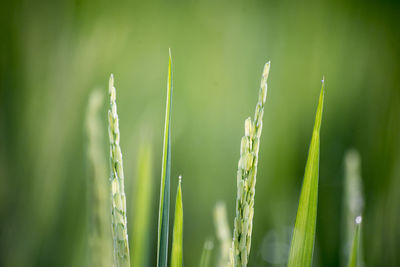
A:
[223,235]
[163,215]
[353,204]
[176,254]
[141,223]
[302,246]
[99,205]
[206,254]
[353,260]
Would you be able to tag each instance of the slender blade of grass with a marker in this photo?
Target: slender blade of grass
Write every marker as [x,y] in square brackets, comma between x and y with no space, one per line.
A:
[163,215]
[99,203]
[206,253]
[141,223]
[353,204]
[118,210]
[302,246]
[353,260]
[223,235]
[177,244]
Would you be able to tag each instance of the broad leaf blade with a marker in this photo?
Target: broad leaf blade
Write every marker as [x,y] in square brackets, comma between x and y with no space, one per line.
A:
[176,254]
[302,246]
[163,215]
[353,260]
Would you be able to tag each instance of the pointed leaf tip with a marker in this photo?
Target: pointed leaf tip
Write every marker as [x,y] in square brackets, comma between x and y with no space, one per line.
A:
[163,216]
[177,242]
[302,245]
[320,108]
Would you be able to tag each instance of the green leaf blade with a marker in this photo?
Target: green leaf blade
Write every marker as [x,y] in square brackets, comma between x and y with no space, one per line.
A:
[353,202]
[302,245]
[142,206]
[353,259]
[163,215]
[177,244]
[100,245]
[205,258]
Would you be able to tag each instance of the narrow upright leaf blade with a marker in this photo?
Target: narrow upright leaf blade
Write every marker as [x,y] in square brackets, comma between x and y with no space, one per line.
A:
[353,260]
[163,215]
[206,254]
[353,201]
[100,244]
[302,246]
[223,235]
[142,206]
[176,254]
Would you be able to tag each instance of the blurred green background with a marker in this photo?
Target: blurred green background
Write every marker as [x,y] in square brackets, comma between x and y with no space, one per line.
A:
[54,53]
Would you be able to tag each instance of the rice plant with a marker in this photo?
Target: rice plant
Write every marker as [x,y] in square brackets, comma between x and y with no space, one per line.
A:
[118,209]
[232,252]
[119,219]
[302,245]
[246,178]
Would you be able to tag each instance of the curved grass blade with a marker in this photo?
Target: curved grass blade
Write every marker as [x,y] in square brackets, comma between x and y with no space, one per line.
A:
[176,254]
[302,246]
[142,205]
[119,221]
[206,254]
[163,215]
[353,260]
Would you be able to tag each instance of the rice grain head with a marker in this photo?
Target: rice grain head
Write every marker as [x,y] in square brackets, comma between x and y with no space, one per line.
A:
[118,209]
[246,178]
